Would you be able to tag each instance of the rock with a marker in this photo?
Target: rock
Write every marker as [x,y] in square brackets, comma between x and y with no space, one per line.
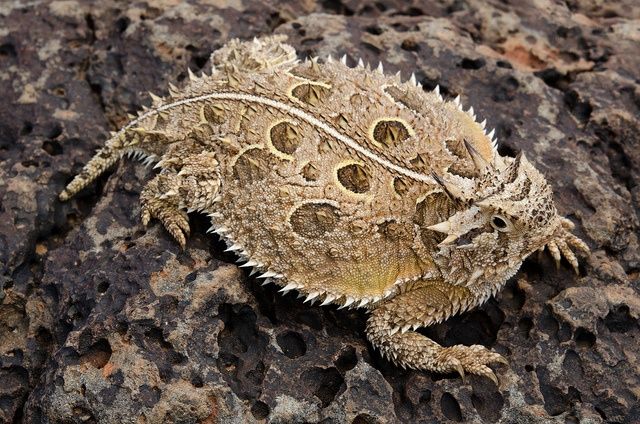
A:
[102,320]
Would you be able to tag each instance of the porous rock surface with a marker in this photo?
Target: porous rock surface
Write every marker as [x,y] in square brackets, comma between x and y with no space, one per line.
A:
[104,321]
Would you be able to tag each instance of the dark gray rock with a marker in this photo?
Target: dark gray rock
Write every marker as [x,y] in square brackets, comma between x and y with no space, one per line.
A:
[102,320]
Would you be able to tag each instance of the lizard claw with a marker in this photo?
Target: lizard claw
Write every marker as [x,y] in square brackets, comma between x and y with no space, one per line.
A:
[457,367]
[473,360]
[562,243]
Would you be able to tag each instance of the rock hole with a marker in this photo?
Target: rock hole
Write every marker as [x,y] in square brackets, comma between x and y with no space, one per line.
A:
[102,287]
[600,412]
[44,338]
[59,91]
[199,56]
[572,365]
[581,109]
[52,147]
[364,419]
[374,29]
[584,338]
[83,414]
[410,45]
[476,327]
[310,318]
[411,11]
[27,128]
[525,324]
[98,354]
[122,24]
[275,20]
[506,150]
[292,344]
[347,359]
[336,7]
[191,277]
[450,407]
[8,50]
[228,364]
[505,90]
[323,383]
[259,410]
[241,346]
[53,131]
[401,27]
[196,381]
[256,375]
[29,163]
[149,395]
[556,401]
[513,296]
[473,64]
[487,401]
[620,320]
[555,79]
[571,419]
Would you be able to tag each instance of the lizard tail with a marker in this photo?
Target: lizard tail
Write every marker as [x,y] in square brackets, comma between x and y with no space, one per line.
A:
[104,158]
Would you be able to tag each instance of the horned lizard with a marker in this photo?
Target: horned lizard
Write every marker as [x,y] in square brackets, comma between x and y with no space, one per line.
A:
[346,184]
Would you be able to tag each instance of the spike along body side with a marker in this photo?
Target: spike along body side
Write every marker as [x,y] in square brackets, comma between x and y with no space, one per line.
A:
[348,185]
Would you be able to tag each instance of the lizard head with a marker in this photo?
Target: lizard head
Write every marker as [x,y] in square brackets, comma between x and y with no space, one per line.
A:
[504,215]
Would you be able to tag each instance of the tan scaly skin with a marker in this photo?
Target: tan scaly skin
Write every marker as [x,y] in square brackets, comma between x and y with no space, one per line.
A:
[348,185]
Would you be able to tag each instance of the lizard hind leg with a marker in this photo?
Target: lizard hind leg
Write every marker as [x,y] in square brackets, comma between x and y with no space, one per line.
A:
[390,325]
[184,185]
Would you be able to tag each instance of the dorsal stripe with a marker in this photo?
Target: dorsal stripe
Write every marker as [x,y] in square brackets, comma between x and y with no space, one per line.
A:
[293,111]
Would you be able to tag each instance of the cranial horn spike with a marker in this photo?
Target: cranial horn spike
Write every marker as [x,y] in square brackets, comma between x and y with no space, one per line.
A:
[343,59]
[441,227]
[498,162]
[450,239]
[450,189]
[478,160]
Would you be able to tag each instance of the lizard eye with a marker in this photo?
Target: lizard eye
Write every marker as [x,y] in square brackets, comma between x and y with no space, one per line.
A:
[500,223]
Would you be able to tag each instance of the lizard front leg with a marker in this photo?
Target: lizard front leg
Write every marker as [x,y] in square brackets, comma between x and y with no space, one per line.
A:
[390,326]
[192,184]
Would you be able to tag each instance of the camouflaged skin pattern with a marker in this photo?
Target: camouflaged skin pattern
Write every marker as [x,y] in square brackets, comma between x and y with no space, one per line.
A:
[348,185]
